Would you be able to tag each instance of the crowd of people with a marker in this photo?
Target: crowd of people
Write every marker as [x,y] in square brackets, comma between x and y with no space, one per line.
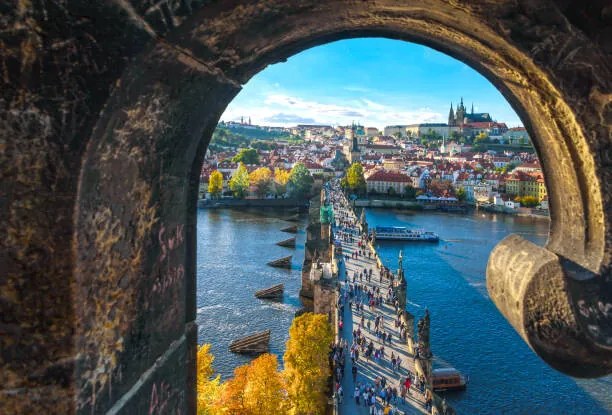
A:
[372,336]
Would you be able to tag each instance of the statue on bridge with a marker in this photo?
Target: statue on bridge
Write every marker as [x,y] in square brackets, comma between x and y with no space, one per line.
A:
[423,333]
[364,223]
[400,267]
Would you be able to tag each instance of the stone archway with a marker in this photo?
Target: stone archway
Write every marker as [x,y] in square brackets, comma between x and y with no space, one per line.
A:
[110,326]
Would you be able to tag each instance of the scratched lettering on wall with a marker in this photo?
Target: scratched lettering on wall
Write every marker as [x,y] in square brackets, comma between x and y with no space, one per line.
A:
[171,269]
[165,399]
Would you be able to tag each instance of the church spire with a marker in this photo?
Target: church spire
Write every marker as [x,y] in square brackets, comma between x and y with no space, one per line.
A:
[451,116]
[472,108]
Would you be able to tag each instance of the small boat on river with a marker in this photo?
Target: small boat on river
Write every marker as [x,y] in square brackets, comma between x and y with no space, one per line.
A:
[448,378]
[398,233]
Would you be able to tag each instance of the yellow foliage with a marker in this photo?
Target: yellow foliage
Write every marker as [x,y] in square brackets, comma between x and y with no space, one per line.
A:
[232,396]
[215,183]
[264,392]
[208,388]
[255,389]
[261,179]
[259,389]
[281,178]
[306,363]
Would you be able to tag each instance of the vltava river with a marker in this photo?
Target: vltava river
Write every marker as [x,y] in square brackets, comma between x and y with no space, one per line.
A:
[467,331]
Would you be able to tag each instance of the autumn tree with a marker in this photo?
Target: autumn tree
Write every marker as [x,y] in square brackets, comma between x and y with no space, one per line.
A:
[215,184]
[306,363]
[440,187]
[239,183]
[246,156]
[262,180]
[264,391]
[208,387]
[355,179]
[461,194]
[232,396]
[281,178]
[256,388]
[300,180]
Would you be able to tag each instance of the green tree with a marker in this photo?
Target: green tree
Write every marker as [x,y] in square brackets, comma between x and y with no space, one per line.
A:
[262,180]
[306,363]
[529,201]
[461,194]
[301,180]
[215,184]
[391,191]
[355,179]
[247,156]
[344,183]
[239,183]
[409,192]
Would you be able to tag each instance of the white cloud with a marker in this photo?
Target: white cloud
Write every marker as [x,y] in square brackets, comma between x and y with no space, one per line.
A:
[281,109]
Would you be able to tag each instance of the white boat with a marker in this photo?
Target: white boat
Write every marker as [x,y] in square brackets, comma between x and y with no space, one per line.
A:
[448,379]
[397,233]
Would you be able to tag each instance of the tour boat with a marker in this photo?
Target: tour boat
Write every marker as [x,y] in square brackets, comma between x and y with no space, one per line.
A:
[448,379]
[396,233]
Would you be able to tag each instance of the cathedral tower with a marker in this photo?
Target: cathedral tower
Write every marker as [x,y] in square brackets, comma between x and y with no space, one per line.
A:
[460,115]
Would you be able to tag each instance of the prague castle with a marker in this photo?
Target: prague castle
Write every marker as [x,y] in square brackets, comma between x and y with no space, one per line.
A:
[461,117]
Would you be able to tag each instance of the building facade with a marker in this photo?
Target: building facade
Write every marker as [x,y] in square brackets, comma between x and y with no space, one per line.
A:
[382,181]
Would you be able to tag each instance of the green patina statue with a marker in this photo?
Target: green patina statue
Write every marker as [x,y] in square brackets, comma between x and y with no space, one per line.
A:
[326,214]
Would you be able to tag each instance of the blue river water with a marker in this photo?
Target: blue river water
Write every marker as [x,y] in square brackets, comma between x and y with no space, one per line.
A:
[467,331]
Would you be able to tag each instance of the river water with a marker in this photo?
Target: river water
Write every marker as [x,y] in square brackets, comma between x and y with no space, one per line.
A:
[467,331]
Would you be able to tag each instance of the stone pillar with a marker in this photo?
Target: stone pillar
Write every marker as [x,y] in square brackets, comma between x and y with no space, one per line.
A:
[425,355]
[325,232]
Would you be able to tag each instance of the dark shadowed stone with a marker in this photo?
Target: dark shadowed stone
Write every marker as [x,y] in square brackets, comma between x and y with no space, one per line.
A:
[105,115]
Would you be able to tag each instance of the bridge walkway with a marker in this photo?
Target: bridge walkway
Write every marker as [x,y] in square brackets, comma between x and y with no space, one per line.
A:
[368,370]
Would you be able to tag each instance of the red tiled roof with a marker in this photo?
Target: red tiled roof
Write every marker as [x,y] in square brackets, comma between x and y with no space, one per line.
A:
[388,176]
[311,165]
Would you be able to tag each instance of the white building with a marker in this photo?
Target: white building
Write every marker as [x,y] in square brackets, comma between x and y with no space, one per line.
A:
[440,129]
[381,181]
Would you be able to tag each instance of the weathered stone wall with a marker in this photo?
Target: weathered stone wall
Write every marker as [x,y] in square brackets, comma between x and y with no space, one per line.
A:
[106,110]
[325,300]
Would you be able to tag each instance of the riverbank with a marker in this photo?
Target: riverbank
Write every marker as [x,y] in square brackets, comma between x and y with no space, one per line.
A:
[249,203]
[412,205]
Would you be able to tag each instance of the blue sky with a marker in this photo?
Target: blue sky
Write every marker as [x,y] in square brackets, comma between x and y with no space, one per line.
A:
[373,81]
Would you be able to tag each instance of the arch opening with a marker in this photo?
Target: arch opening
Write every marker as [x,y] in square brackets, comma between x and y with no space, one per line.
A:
[179,123]
[137,141]
[244,111]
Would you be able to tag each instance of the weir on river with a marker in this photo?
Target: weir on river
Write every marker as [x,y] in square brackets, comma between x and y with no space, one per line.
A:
[358,256]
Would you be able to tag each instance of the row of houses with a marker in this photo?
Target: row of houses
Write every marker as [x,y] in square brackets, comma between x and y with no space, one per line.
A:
[392,164]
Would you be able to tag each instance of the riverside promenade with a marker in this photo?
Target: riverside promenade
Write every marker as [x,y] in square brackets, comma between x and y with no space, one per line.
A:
[360,321]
